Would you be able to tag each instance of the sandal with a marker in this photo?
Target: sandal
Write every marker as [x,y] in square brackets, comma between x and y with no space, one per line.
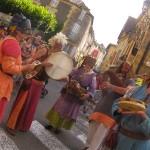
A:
[57,131]
[11,131]
[48,127]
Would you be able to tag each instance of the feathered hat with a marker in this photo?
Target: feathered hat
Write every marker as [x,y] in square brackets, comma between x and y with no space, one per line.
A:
[21,23]
[58,38]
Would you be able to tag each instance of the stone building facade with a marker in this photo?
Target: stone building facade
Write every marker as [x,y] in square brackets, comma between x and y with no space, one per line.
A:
[111,52]
[138,52]
[76,18]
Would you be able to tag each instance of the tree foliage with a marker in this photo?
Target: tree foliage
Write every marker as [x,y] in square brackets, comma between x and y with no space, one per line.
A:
[39,16]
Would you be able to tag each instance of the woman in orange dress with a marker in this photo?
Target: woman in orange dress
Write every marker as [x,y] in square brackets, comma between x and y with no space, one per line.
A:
[10,57]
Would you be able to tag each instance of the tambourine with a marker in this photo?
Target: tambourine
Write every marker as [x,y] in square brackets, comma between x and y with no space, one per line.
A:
[131,104]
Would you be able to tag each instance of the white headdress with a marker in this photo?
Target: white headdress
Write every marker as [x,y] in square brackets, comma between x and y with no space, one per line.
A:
[58,38]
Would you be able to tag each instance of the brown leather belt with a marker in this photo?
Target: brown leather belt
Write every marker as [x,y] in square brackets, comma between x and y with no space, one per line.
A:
[134,135]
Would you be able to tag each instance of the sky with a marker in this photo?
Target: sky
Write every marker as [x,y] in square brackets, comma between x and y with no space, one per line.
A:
[110,17]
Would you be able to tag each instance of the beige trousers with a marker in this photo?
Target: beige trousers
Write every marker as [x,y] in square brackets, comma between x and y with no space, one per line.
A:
[96,134]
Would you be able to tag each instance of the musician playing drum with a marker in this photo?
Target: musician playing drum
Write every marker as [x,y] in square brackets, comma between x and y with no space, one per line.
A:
[135,125]
[64,112]
[23,111]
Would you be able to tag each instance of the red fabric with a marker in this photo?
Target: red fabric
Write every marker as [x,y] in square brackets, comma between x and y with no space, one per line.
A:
[95,53]
[111,139]
[99,81]
[10,47]
[27,111]
[102,118]
[3,103]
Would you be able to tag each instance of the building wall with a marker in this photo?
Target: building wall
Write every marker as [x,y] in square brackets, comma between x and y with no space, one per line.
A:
[140,60]
[65,8]
[142,55]
[75,27]
[135,44]
[110,56]
[121,49]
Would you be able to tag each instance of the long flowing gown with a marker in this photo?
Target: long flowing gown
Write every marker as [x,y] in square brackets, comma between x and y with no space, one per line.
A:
[24,108]
[65,110]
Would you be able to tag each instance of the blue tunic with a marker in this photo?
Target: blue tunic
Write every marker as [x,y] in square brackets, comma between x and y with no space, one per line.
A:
[133,123]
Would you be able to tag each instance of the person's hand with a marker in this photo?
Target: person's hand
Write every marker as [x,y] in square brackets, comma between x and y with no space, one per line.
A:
[64,79]
[100,88]
[46,64]
[28,68]
[106,85]
[141,114]
[85,96]
[29,60]
[33,51]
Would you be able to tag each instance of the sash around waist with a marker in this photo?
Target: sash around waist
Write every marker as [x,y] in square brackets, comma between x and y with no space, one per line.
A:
[134,135]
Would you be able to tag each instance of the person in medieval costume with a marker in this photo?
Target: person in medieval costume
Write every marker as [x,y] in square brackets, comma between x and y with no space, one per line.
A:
[24,108]
[64,112]
[134,133]
[10,57]
[102,120]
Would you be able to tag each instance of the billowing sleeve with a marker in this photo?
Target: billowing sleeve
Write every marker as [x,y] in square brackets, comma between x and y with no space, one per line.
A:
[92,86]
[11,51]
[72,72]
[145,125]
[9,65]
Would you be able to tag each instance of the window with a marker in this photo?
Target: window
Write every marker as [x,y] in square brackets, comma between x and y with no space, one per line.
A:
[74,32]
[68,48]
[54,3]
[111,58]
[134,50]
[82,14]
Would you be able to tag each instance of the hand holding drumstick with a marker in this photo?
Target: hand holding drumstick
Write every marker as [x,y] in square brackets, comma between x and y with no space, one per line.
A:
[141,114]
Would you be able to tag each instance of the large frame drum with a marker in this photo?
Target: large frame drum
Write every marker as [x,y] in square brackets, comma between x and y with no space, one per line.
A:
[62,65]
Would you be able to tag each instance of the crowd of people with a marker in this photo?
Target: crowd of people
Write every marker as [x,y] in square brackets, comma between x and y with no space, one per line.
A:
[18,50]
[132,134]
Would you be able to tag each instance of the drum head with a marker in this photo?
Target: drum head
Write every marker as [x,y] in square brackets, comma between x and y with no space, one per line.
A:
[62,65]
[132,104]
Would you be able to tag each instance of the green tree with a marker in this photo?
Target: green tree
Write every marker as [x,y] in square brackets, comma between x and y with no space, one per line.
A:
[39,15]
